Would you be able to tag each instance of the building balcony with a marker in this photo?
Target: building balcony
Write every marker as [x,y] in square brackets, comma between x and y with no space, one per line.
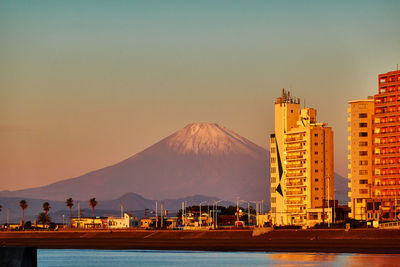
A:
[295,185]
[296,177]
[294,140]
[295,158]
[387,124]
[297,194]
[295,149]
[295,166]
[296,205]
[387,134]
[386,114]
[292,175]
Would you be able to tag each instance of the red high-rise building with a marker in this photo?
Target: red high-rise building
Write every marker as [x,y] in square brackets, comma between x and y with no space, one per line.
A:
[386,157]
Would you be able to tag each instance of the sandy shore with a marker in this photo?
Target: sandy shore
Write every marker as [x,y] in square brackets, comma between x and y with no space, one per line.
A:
[338,241]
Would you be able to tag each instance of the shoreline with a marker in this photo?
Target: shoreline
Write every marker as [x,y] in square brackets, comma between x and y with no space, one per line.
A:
[369,241]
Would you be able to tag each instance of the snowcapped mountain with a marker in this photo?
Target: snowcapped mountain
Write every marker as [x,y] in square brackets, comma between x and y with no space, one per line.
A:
[201,158]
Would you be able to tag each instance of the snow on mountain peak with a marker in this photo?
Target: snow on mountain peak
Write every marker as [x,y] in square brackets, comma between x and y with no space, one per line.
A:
[208,138]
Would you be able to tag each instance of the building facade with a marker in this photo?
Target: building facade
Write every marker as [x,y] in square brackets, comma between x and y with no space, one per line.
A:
[386,186]
[360,146]
[302,174]
[375,152]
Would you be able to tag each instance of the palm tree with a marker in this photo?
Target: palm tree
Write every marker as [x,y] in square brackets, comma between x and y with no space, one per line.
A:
[23,204]
[93,203]
[46,208]
[70,203]
[43,218]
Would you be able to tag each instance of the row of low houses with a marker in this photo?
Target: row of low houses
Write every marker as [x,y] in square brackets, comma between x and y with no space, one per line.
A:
[301,160]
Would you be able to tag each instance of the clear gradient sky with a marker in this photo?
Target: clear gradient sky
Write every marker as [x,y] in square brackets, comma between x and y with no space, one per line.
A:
[85,84]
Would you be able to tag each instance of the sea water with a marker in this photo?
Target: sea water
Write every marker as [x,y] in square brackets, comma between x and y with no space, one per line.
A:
[89,257]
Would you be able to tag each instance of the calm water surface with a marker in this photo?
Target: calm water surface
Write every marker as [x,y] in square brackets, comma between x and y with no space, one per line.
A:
[76,257]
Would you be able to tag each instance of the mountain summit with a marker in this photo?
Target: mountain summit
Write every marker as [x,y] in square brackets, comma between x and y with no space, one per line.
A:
[211,139]
[201,158]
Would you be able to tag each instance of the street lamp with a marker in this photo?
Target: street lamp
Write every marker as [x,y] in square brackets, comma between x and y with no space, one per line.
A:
[257,210]
[201,222]
[215,213]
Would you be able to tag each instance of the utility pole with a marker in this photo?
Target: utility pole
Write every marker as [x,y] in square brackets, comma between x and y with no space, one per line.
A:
[156,216]
[329,204]
[334,207]
[200,216]
[8,216]
[248,213]
[237,209]
[209,214]
[183,213]
[79,211]
[122,211]
[162,215]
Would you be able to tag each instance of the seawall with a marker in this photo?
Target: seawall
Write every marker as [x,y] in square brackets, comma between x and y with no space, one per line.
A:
[340,241]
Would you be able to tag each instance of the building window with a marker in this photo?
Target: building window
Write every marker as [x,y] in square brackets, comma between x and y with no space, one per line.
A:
[291,111]
[273,199]
[316,198]
[316,153]
[273,160]
[363,153]
[363,143]
[273,170]
[273,149]
[316,135]
[363,134]
[273,190]
[316,189]
[273,209]
[363,162]
[362,105]
[363,191]
[315,170]
[316,161]
[363,124]
[359,200]
[316,179]
[315,144]
[362,115]
[363,181]
[273,179]
[362,172]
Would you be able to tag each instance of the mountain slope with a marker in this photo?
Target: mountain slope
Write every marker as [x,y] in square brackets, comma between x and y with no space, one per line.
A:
[201,158]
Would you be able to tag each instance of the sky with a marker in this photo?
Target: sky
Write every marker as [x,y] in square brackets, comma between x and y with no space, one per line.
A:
[86,84]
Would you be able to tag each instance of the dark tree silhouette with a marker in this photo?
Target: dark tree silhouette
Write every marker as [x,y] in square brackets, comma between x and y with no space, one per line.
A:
[46,208]
[23,204]
[70,203]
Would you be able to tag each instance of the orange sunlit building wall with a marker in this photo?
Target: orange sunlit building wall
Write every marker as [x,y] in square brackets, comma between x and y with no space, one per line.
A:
[386,176]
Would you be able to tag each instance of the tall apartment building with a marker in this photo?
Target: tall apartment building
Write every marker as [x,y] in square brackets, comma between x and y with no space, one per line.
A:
[375,190]
[386,186]
[301,165]
[360,127]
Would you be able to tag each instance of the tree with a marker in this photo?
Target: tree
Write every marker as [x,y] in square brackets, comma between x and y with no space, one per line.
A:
[70,203]
[43,218]
[23,204]
[93,203]
[46,208]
